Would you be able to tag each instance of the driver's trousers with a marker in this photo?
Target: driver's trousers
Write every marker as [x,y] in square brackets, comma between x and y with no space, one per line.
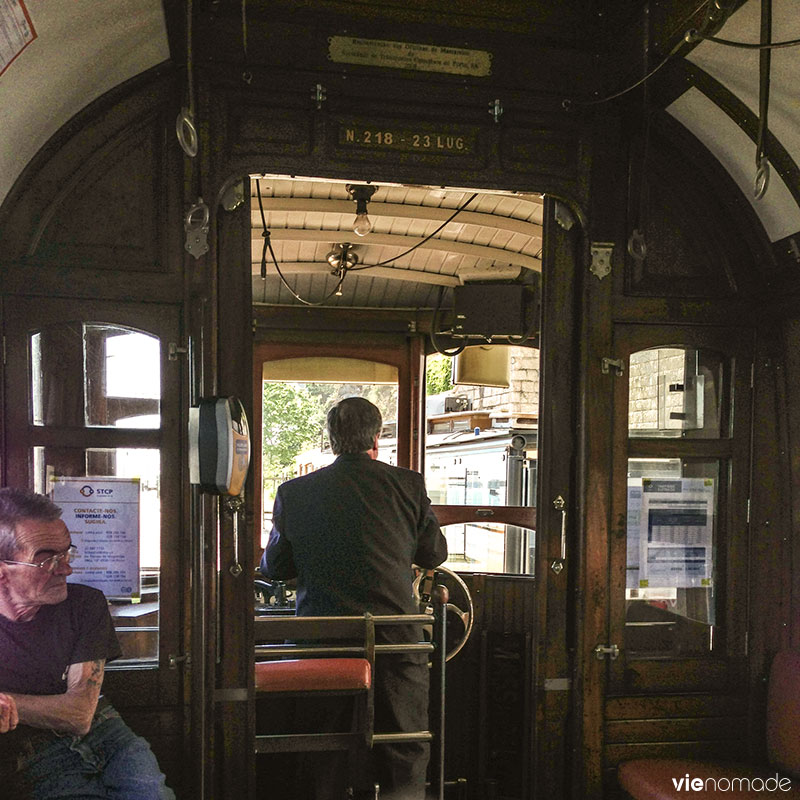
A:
[401,705]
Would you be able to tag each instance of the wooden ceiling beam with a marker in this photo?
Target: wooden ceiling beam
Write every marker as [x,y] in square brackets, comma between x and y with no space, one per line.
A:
[400,242]
[398,210]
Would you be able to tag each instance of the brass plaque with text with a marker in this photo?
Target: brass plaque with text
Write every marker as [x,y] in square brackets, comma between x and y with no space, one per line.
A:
[409,55]
[411,140]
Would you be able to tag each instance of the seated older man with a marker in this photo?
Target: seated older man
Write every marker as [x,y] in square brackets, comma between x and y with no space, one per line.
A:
[59,737]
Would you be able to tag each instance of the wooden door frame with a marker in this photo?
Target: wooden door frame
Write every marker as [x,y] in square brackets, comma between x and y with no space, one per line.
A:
[557,478]
[162,687]
[406,354]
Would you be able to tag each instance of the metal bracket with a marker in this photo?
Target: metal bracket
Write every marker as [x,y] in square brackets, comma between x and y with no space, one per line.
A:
[615,364]
[175,350]
[196,230]
[496,109]
[174,660]
[601,259]
[603,650]
[319,95]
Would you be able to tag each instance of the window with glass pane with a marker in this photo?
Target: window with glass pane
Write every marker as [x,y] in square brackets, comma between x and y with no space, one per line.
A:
[482,414]
[104,539]
[490,547]
[294,438]
[91,374]
[672,566]
[675,392]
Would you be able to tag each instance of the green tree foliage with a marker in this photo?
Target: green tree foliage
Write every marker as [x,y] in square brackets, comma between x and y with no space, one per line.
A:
[438,374]
[292,421]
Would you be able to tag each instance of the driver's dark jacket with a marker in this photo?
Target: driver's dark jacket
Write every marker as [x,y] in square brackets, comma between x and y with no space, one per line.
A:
[349,533]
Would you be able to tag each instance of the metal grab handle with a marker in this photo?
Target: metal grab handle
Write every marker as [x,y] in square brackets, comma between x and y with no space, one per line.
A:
[186,132]
[557,564]
[235,504]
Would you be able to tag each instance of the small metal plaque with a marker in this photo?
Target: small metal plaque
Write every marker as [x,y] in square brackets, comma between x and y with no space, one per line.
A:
[409,55]
[420,139]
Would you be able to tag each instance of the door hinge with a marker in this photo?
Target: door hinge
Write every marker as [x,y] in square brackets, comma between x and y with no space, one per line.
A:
[4,349]
[601,259]
[615,364]
[603,650]
[174,350]
[748,510]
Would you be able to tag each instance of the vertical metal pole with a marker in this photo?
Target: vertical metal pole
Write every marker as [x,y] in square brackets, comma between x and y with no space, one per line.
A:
[440,598]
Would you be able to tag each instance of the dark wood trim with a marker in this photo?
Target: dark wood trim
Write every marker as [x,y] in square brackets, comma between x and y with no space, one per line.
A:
[89,437]
[234,714]
[523,516]
[558,443]
[594,526]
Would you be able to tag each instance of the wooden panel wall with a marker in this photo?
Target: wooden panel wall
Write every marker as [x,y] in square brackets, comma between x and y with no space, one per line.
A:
[97,215]
[490,690]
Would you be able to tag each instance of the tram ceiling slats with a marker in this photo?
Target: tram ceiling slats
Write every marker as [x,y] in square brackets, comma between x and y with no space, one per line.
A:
[273,205]
[403,243]
[323,269]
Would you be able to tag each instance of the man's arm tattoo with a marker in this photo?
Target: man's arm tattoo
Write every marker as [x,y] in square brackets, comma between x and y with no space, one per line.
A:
[96,676]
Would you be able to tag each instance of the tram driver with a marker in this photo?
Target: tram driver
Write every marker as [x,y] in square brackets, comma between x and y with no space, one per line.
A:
[349,533]
[59,737]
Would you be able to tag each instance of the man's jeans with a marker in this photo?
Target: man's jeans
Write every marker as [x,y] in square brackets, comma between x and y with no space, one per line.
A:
[109,763]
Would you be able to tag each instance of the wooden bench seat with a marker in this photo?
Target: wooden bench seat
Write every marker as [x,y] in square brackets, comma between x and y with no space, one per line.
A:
[666,778]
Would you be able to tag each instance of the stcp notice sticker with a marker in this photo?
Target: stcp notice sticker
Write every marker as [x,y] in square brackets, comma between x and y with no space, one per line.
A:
[102,515]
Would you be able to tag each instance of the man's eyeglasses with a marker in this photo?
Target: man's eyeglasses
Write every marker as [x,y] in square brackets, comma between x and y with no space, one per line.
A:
[49,564]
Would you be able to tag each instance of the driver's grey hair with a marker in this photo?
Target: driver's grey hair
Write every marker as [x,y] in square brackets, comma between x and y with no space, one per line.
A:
[353,424]
[17,505]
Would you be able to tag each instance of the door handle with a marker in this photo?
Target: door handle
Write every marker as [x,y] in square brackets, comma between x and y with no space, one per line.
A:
[557,564]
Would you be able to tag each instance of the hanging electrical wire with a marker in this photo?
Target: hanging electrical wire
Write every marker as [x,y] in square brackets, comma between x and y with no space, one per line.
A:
[716,15]
[761,180]
[697,36]
[418,244]
[637,243]
[342,272]
[185,128]
[247,76]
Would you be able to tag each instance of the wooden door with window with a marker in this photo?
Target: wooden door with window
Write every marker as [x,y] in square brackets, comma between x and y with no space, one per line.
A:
[675,652]
[92,412]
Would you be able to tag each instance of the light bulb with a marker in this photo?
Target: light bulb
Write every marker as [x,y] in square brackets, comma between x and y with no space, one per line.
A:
[362,226]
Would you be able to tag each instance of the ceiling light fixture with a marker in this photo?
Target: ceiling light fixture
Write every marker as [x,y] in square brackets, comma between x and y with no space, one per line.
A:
[341,257]
[361,194]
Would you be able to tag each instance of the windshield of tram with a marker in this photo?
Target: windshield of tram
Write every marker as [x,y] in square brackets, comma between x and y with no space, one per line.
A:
[481,450]
[481,446]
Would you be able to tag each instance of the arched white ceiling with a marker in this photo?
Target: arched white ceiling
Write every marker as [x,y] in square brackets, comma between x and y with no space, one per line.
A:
[738,71]
[83,48]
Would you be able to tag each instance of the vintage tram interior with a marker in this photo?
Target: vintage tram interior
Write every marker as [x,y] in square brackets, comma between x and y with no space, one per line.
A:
[559,242]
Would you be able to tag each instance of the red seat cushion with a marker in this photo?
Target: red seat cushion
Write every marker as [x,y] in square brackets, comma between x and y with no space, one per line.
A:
[783,713]
[665,779]
[313,675]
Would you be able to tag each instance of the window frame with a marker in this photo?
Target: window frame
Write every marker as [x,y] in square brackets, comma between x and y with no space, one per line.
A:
[130,684]
[720,666]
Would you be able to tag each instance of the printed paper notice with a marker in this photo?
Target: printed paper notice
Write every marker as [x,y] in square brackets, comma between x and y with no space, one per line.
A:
[676,527]
[16,31]
[102,515]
